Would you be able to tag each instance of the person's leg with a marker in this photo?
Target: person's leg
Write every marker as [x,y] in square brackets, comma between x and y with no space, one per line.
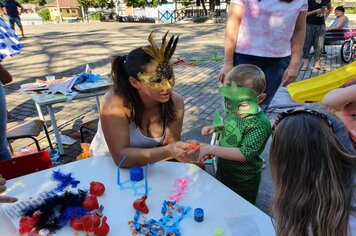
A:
[12,22]
[318,45]
[4,150]
[274,69]
[19,24]
[309,39]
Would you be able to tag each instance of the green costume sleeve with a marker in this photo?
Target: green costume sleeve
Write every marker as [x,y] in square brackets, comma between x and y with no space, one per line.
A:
[218,122]
[255,139]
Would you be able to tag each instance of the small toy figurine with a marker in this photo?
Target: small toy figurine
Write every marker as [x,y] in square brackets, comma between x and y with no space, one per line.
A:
[96,188]
[140,205]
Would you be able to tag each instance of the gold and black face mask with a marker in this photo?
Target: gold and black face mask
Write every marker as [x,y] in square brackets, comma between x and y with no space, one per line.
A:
[162,79]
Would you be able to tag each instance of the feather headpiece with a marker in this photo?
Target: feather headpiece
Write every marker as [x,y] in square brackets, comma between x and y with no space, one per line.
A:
[161,56]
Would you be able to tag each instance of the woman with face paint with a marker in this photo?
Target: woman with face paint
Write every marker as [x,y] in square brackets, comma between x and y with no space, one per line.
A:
[142,117]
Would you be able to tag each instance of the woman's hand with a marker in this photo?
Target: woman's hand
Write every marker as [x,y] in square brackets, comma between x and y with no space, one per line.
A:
[184,152]
[290,75]
[226,68]
[5,199]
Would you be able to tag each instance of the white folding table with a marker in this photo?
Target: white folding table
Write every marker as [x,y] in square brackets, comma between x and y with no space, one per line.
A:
[43,100]
[222,206]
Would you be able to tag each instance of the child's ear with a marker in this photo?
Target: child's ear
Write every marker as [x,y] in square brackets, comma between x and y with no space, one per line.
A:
[261,97]
[134,82]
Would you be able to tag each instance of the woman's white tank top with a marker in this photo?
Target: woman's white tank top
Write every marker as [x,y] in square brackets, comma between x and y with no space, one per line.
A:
[98,146]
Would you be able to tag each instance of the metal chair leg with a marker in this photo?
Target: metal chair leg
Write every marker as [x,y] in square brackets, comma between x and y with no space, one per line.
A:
[48,138]
[37,144]
[81,134]
[11,150]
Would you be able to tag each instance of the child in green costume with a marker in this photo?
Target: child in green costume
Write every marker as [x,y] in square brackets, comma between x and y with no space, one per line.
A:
[245,131]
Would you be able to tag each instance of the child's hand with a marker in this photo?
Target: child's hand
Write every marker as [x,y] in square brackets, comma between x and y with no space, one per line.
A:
[205,153]
[207,130]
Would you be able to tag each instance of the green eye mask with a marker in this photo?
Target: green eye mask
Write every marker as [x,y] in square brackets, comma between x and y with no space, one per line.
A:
[240,100]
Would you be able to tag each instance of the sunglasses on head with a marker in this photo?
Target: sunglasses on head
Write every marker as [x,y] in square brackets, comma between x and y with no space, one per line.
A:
[295,111]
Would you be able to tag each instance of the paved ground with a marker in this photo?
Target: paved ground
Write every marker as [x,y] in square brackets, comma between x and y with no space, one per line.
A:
[65,49]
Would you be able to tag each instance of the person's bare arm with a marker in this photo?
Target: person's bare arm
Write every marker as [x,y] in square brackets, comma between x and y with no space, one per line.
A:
[316,11]
[227,153]
[329,10]
[340,25]
[22,9]
[115,123]
[297,42]
[231,33]
[338,98]
[5,75]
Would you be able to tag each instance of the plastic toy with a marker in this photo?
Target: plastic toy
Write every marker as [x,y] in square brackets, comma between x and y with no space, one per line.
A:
[180,185]
[198,214]
[140,205]
[314,89]
[96,188]
[91,203]
[136,186]
[218,231]
[172,213]
[136,174]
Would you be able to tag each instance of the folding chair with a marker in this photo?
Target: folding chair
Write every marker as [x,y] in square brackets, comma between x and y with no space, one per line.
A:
[213,161]
[29,129]
[24,165]
[91,125]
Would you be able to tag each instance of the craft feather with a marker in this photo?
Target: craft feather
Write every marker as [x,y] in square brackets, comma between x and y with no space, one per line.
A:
[161,56]
[53,207]
[70,213]
[64,180]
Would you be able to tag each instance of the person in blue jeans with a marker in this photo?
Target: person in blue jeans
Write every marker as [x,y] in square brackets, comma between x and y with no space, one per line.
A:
[5,78]
[11,9]
[268,34]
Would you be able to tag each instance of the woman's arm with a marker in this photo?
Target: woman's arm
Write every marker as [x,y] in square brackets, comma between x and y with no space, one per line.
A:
[115,123]
[329,9]
[297,42]
[5,76]
[340,25]
[232,30]
[316,11]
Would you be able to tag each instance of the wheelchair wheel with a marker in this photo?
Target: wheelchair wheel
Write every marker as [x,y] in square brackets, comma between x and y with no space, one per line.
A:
[346,51]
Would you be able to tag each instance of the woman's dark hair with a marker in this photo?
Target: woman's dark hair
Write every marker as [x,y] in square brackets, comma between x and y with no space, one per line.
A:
[340,8]
[122,67]
[314,177]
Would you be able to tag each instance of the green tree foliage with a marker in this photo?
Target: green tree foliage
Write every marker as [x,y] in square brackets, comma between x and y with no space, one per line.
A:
[85,3]
[144,3]
[36,2]
[44,14]
[100,3]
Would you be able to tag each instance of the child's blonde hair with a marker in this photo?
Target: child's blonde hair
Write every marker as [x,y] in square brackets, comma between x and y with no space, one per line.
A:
[244,74]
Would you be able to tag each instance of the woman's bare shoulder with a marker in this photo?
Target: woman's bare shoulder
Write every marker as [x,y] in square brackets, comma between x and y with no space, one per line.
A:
[177,99]
[113,103]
